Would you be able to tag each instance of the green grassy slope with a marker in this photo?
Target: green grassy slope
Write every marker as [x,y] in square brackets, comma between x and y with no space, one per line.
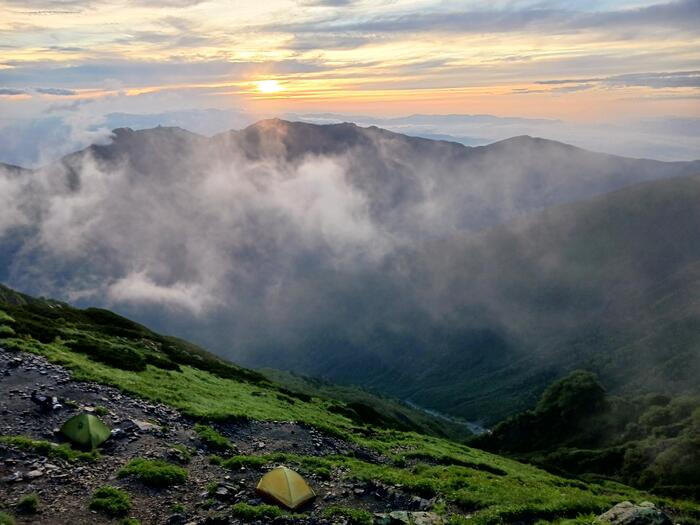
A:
[489,487]
[373,407]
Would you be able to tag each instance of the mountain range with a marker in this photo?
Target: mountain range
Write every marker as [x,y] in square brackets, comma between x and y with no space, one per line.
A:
[464,279]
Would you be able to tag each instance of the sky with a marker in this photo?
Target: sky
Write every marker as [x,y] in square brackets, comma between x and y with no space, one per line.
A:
[579,61]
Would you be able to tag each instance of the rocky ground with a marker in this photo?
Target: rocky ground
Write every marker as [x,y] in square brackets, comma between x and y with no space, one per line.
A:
[148,430]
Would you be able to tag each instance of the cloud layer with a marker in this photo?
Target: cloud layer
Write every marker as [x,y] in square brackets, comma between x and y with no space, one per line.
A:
[388,57]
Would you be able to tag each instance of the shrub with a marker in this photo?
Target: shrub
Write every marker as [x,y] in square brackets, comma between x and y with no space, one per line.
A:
[251,513]
[239,462]
[6,519]
[28,504]
[48,449]
[212,439]
[154,473]
[117,356]
[111,501]
[352,516]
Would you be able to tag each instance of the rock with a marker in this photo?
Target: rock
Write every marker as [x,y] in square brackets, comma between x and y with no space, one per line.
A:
[225,492]
[33,474]
[402,517]
[176,519]
[627,513]
[145,426]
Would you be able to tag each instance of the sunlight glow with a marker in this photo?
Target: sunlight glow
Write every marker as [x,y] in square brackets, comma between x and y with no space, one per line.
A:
[269,86]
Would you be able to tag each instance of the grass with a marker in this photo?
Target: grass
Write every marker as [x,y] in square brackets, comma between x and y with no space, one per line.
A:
[6,519]
[212,439]
[491,488]
[112,501]
[178,508]
[250,513]
[154,473]
[49,449]
[101,411]
[28,504]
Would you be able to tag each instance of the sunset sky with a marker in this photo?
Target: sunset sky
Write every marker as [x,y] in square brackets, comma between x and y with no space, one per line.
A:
[577,60]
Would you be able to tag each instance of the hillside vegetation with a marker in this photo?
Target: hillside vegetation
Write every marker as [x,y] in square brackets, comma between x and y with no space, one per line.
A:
[577,428]
[99,346]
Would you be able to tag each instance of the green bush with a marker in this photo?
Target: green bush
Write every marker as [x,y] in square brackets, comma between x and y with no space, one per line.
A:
[154,473]
[258,512]
[6,519]
[49,449]
[28,504]
[115,355]
[212,439]
[111,501]
[238,462]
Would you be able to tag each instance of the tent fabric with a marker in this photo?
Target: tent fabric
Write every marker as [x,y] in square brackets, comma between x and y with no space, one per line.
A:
[86,430]
[285,487]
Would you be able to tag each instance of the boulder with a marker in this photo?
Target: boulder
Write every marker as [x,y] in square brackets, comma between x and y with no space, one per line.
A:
[627,513]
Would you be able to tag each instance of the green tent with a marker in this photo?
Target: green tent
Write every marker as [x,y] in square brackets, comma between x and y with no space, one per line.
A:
[86,430]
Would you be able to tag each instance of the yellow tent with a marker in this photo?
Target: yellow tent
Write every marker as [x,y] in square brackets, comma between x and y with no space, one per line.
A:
[284,486]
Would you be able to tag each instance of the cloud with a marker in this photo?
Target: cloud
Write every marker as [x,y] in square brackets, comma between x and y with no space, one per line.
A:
[169,3]
[56,91]
[540,17]
[573,89]
[93,72]
[657,80]
[192,233]
[10,92]
[139,288]
[327,3]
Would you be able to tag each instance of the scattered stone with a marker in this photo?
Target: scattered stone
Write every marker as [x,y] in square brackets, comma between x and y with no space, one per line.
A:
[145,426]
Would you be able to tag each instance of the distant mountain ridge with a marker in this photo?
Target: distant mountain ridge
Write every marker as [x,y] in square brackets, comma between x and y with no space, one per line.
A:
[447,275]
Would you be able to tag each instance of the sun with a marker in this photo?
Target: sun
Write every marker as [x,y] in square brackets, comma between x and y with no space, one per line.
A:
[269,86]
